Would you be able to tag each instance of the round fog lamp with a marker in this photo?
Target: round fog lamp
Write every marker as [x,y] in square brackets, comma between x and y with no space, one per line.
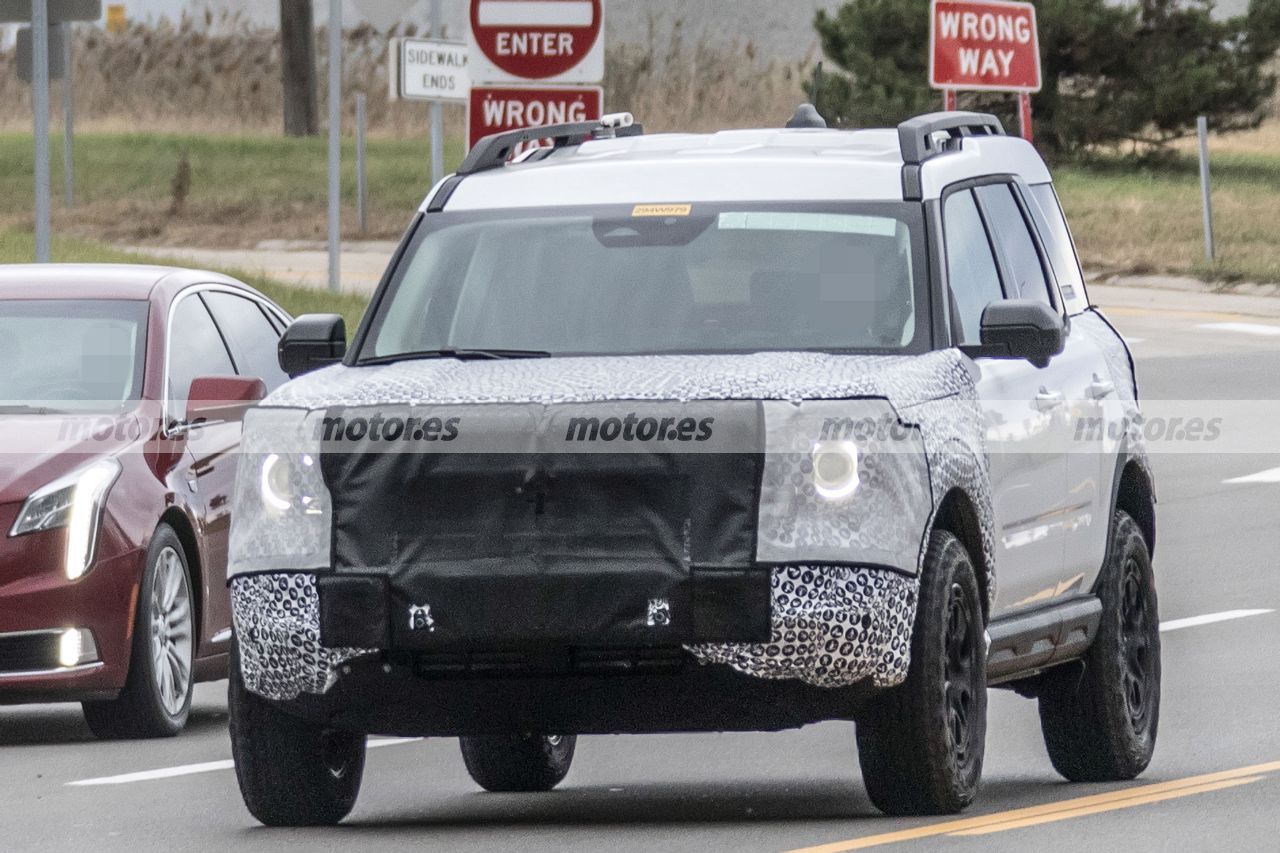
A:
[835,469]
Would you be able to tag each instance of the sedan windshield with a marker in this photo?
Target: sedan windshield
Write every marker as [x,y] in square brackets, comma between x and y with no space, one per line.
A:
[656,279]
[70,355]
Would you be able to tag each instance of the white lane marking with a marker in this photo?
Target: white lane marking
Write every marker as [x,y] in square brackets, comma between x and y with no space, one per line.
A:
[1243,328]
[1210,619]
[1271,476]
[206,767]
[227,764]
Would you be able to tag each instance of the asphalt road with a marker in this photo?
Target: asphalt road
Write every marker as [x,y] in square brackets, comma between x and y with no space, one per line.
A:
[1213,785]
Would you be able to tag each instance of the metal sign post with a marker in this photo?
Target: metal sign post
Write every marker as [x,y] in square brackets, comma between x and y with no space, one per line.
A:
[68,117]
[437,108]
[335,145]
[40,104]
[1202,128]
[41,14]
[436,71]
[362,182]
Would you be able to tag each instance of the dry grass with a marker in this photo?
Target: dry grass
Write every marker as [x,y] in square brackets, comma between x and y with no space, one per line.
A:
[1130,216]
[211,89]
[213,75]
[220,75]
[678,86]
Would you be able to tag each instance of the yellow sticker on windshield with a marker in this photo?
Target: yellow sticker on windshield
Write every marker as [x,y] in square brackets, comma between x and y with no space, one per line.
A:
[662,210]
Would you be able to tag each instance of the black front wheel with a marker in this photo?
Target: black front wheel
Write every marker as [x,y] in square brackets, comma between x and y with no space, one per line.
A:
[1100,718]
[291,772]
[518,763]
[921,745]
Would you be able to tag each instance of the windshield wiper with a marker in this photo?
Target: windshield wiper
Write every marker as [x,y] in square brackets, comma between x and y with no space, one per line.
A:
[459,354]
[30,410]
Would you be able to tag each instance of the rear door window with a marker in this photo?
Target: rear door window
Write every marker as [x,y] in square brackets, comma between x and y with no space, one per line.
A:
[195,349]
[251,336]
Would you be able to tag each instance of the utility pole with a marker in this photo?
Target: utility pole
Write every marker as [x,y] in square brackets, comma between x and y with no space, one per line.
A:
[68,115]
[40,103]
[437,108]
[335,145]
[298,66]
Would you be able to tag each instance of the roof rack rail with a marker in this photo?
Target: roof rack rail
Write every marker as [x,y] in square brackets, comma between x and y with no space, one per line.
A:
[927,136]
[918,137]
[493,152]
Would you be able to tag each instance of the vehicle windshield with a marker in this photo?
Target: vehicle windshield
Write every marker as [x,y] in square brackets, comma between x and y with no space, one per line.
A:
[70,355]
[657,279]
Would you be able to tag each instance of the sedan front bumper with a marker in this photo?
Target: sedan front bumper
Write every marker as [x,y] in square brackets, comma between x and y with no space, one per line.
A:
[38,604]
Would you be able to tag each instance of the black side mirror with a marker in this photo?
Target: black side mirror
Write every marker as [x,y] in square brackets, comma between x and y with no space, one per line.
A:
[311,342]
[1022,329]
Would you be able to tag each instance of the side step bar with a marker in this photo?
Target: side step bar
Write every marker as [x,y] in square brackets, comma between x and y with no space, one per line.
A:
[1026,643]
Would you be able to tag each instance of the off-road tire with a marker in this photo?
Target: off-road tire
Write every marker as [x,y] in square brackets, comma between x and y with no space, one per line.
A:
[921,744]
[1100,720]
[291,772]
[518,763]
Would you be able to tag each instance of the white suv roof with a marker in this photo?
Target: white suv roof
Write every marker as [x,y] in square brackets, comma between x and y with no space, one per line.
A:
[737,166]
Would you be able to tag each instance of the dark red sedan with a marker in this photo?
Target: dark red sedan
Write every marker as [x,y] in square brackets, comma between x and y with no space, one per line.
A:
[120,400]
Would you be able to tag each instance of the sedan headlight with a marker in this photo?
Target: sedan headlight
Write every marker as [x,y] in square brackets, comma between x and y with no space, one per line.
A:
[74,502]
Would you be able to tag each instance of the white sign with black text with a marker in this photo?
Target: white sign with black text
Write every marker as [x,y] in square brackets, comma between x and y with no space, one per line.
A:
[431,70]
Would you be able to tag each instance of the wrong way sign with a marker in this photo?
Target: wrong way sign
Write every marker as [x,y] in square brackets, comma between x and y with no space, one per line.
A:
[547,41]
[985,46]
[498,109]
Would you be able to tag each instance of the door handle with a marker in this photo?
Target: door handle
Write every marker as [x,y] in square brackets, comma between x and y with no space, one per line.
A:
[1101,388]
[1047,401]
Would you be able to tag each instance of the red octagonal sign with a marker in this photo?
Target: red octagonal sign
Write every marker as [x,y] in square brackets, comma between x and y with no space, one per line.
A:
[538,39]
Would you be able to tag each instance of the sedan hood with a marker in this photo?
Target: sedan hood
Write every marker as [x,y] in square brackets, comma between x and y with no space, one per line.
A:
[903,380]
[38,449]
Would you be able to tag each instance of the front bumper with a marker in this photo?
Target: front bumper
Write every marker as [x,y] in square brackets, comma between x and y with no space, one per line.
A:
[831,627]
[36,598]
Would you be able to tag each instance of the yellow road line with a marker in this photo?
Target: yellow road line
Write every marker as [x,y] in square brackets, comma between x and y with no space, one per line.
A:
[1111,807]
[1125,798]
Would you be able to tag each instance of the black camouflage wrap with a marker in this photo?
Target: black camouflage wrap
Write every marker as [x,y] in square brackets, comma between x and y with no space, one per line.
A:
[834,621]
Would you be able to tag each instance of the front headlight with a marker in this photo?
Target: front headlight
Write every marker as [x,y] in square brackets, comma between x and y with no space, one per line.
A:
[282,512]
[286,481]
[835,469]
[845,482]
[74,502]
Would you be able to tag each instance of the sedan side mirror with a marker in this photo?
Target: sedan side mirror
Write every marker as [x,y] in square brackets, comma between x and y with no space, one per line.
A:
[311,342]
[1022,329]
[222,398]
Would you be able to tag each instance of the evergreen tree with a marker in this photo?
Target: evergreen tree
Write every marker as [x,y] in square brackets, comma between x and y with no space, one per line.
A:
[1140,72]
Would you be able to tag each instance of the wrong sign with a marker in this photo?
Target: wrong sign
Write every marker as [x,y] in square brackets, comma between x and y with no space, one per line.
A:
[498,109]
[984,46]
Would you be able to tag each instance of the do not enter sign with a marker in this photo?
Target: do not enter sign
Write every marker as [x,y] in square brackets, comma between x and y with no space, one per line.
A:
[551,41]
[989,46]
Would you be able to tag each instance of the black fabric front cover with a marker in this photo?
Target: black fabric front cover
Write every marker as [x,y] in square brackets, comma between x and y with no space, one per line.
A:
[555,525]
